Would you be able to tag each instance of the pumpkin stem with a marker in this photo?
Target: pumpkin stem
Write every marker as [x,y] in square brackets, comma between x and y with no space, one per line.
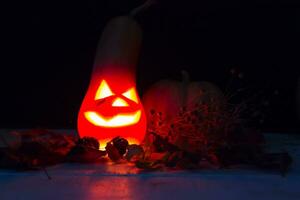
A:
[184,87]
[142,7]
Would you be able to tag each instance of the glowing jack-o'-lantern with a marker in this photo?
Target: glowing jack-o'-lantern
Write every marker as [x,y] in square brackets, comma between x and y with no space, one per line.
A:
[114,117]
[111,106]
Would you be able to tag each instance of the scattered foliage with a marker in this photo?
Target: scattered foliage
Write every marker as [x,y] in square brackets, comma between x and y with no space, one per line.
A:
[205,135]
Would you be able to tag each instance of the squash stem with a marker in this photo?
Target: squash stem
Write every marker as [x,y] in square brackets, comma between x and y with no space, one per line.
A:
[142,7]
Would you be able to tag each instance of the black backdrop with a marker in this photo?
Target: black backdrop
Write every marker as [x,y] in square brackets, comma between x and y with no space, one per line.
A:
[49,49]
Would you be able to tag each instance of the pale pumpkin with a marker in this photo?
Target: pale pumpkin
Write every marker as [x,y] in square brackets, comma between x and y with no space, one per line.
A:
[168,97]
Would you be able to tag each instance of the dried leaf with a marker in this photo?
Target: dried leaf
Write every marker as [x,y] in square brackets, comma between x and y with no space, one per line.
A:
[134,152]
[112,152]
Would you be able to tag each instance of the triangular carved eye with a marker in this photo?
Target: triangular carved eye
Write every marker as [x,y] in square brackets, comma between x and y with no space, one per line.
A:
[103,91]
[131,94]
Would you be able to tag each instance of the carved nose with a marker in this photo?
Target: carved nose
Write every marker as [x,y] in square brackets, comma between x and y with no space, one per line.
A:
[118,102]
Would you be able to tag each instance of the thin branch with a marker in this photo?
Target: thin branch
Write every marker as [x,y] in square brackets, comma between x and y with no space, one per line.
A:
[46,172]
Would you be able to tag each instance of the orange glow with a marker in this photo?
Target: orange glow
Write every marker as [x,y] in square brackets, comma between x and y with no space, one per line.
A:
[116,121]
[111,108]
[120,103]
[131,94]
[103,91]
[103,142]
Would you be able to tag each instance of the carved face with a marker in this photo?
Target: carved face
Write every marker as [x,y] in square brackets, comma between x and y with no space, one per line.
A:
[110,113]
[114,110]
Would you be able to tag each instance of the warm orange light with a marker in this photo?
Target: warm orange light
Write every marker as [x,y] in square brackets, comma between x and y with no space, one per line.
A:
[111,106]
[103,142]
[110,109]
[103,91]
[120,103]
[116,121]
[131,94]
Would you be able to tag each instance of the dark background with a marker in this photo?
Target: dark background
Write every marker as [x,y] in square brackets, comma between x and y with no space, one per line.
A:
[49,46]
